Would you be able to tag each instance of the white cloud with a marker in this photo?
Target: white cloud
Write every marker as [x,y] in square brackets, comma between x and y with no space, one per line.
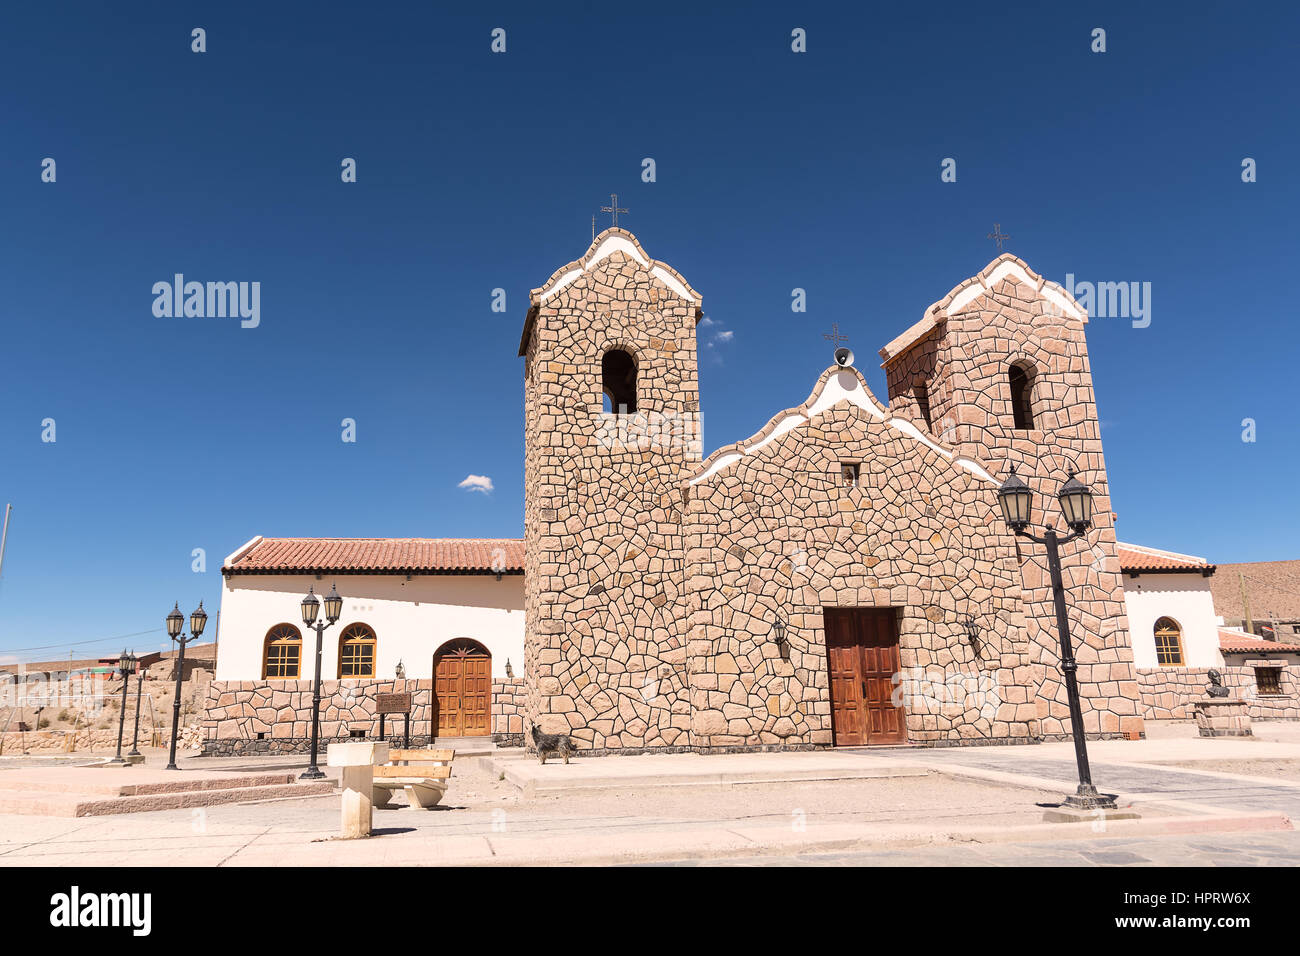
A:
[476,483]
[707,322]
[726,336]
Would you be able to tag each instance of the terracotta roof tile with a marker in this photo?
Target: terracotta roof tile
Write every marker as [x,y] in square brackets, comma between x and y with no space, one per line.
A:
[1134,557]
[380,555]
[1238,642]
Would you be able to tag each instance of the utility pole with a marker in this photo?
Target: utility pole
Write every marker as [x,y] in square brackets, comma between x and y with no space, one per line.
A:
[4,535]
[1245,603]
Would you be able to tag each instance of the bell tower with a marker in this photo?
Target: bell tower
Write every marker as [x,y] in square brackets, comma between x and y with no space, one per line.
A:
[999,370]
[611,428]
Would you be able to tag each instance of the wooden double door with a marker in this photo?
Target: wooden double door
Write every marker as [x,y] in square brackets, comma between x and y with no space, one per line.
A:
[462,689]
[862,654]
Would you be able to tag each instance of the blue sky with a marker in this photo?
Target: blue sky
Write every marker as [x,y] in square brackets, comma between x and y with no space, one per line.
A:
[479,171]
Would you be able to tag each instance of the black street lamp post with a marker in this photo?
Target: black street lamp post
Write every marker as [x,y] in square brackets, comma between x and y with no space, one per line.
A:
[135,730]
[1076,506]
[175,625]
[310,610]
[125,665]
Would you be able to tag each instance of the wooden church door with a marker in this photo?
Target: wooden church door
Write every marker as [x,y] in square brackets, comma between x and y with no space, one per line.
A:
[862,657]
[462,687]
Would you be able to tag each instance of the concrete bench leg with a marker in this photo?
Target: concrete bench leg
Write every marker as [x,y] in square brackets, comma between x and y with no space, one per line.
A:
[421,797]
[381,797]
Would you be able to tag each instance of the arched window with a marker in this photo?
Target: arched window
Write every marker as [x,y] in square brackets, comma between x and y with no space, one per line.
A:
[282,653]
[1020,375]
[1169,642]
[618,382]
[357,651]
[922,395]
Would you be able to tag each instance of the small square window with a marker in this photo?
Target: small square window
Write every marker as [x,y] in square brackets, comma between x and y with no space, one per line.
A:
[850,471]
[1268,680]
[357,734]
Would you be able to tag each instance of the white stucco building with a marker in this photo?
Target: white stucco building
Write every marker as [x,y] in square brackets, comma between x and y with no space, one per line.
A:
[1170,608]
[404,599]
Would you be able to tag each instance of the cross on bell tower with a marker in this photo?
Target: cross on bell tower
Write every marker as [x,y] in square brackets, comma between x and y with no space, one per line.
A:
[833,336]
[613,208]
[996,236]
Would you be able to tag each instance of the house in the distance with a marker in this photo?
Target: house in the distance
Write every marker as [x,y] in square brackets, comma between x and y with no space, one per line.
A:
[1261,597]
[1178,638]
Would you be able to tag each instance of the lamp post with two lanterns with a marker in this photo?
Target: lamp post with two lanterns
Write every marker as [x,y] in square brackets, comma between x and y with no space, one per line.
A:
[175,625]
[125,667]
[310,610]
[1076,506]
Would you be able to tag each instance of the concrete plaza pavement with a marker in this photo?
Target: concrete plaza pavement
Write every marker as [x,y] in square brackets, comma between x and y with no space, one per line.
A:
[951,806]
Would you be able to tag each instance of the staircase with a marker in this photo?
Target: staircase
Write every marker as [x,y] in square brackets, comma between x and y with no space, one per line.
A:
[99,791]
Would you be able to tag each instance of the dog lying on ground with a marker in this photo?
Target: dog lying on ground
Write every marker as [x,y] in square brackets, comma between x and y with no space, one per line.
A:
[552,743]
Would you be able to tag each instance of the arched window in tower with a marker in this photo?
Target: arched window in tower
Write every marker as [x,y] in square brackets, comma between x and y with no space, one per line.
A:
[922,396]
[618,382]
[1020,376]
[1169,642]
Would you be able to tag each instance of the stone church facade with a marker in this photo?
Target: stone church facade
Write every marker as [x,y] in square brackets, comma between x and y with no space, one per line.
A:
[843,576]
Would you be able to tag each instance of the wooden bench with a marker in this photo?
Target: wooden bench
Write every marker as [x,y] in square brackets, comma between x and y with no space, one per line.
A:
[423,774]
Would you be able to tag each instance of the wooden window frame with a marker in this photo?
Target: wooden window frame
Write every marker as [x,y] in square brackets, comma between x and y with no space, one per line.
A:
[358,636]
[1164,646]
[283,637]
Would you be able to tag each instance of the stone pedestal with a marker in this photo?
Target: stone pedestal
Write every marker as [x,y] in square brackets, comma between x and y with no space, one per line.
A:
[1222,717]
[357,761]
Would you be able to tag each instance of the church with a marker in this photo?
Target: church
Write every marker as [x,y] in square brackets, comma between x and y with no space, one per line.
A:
[843,577]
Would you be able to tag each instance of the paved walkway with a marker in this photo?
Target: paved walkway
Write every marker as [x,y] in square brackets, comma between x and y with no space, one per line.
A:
[1238,849]
[1118,767]
[957,806]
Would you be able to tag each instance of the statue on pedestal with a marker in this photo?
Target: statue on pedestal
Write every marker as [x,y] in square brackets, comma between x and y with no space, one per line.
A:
[1215,687]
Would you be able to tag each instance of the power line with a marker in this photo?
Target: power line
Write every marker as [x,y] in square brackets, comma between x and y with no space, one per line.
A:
[98,640]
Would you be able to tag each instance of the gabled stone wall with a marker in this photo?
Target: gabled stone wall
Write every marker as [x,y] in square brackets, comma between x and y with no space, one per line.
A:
[779,535]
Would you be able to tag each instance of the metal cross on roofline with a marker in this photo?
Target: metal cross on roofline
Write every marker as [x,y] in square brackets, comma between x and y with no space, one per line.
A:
[613,208]
[834,335]
[996,236]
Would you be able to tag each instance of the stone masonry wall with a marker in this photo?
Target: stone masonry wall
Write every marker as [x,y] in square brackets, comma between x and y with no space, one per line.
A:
[238,711]
[604,603]
[778,534]
[963,362]
[1167,692]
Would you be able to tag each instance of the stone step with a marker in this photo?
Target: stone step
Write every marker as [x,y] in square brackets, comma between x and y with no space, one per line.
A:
[71,804]
[120,786]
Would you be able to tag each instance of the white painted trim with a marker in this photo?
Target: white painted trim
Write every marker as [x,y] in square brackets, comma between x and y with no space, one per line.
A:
[1010,269]
[1160,552]
[608,247]
[843,386]
[242,550]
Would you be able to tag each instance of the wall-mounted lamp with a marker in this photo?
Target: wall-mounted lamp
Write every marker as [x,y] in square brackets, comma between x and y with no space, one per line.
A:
[779,635]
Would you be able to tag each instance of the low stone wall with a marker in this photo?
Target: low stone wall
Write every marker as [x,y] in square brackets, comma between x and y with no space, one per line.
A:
[251,717]
[46,742]
[508,708]
[1167,692]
